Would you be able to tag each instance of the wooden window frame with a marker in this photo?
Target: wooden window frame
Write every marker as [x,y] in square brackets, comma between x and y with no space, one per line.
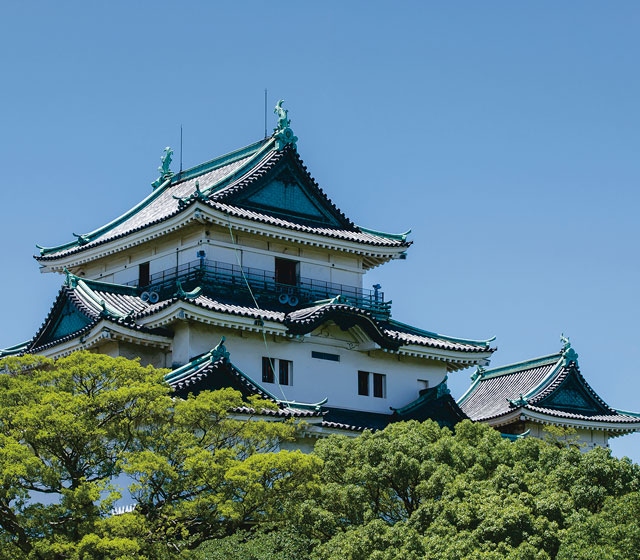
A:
[268,370]
[363,383]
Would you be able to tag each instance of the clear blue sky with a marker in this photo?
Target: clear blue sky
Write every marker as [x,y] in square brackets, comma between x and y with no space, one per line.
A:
[505,134]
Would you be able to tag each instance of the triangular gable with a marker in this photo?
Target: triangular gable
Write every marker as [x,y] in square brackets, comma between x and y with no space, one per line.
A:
[65,319]
[574,396]
[345,316]
[286,190]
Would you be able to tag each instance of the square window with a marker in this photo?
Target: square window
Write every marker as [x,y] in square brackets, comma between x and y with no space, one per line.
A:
[286,272]
[363,383]
[268,366]
[379,385]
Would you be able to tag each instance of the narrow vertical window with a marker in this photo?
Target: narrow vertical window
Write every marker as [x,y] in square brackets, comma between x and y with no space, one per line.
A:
[363,383]
[378,385]
[143,274]
[267,370]
[285,372]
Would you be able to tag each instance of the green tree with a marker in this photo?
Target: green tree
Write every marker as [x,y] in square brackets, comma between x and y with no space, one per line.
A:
[69,428]
[418,491]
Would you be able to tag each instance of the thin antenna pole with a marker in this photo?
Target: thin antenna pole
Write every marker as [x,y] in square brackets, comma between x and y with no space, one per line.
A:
[181,149]
[265,112]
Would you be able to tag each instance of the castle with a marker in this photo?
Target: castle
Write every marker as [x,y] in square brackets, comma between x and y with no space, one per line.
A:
[241,272]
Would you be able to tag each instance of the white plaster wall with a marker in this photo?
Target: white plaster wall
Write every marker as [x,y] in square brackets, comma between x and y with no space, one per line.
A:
[315,379]
[346,277]
[148,356]
[315,271]
[220,254]
[182,351]
[161,263]
[255,252]
[128,274]
[588,438]
[262,261]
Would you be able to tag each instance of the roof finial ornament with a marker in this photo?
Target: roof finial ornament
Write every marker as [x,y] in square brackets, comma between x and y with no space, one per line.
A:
[220,352]
[165,172]
[442,388]
[283,133]
[71,280]
[568,353]
[478,373]
[519,402]
[82,239]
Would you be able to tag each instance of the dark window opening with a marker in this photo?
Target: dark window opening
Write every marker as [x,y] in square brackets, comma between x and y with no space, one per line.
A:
[325,356]
[285,372]
[378,385]
[363,383]
[267,370]
[287,272]
[143,274]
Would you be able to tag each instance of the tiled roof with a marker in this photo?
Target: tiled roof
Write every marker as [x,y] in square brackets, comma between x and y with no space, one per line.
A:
[219,183]
[307,319]
[120,304]
[435,404]
[214,371]
[355,420]
[163,204]
[533,386]
[489,396]
[411,335]
[87,298]
[356,236]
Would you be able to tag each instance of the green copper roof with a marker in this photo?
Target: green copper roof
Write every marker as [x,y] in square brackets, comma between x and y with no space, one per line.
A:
[87,237]
[515,437]
[16,349]
[221,161]
[397,236]
[519,366]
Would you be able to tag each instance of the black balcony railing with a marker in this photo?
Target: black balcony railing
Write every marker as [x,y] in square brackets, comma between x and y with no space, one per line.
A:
[230,280]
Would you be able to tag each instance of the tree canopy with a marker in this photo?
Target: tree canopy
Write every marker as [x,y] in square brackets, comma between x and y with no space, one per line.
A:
[418,491]
[70,428]
[207,485]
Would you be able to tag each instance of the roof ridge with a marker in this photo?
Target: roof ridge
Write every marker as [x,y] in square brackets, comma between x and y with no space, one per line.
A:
[397,236]
[520,366]
[104,306]
[86,238]
[15,349]
[166,184]
[97,284]
[218,162]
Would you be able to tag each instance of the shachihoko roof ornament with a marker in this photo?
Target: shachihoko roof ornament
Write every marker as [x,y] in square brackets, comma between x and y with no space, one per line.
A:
[165,172]
[283,133]
[568,353]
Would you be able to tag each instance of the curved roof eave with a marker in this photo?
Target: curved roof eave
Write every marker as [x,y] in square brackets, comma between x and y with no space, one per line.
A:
[258,148]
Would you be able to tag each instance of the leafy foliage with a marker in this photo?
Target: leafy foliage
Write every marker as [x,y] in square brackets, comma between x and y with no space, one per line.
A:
[69,428]
[209,486]
[419,491]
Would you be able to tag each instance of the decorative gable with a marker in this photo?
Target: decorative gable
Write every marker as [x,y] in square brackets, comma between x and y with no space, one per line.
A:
[286,190]
[286,195]
[68,321]
[572,396]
